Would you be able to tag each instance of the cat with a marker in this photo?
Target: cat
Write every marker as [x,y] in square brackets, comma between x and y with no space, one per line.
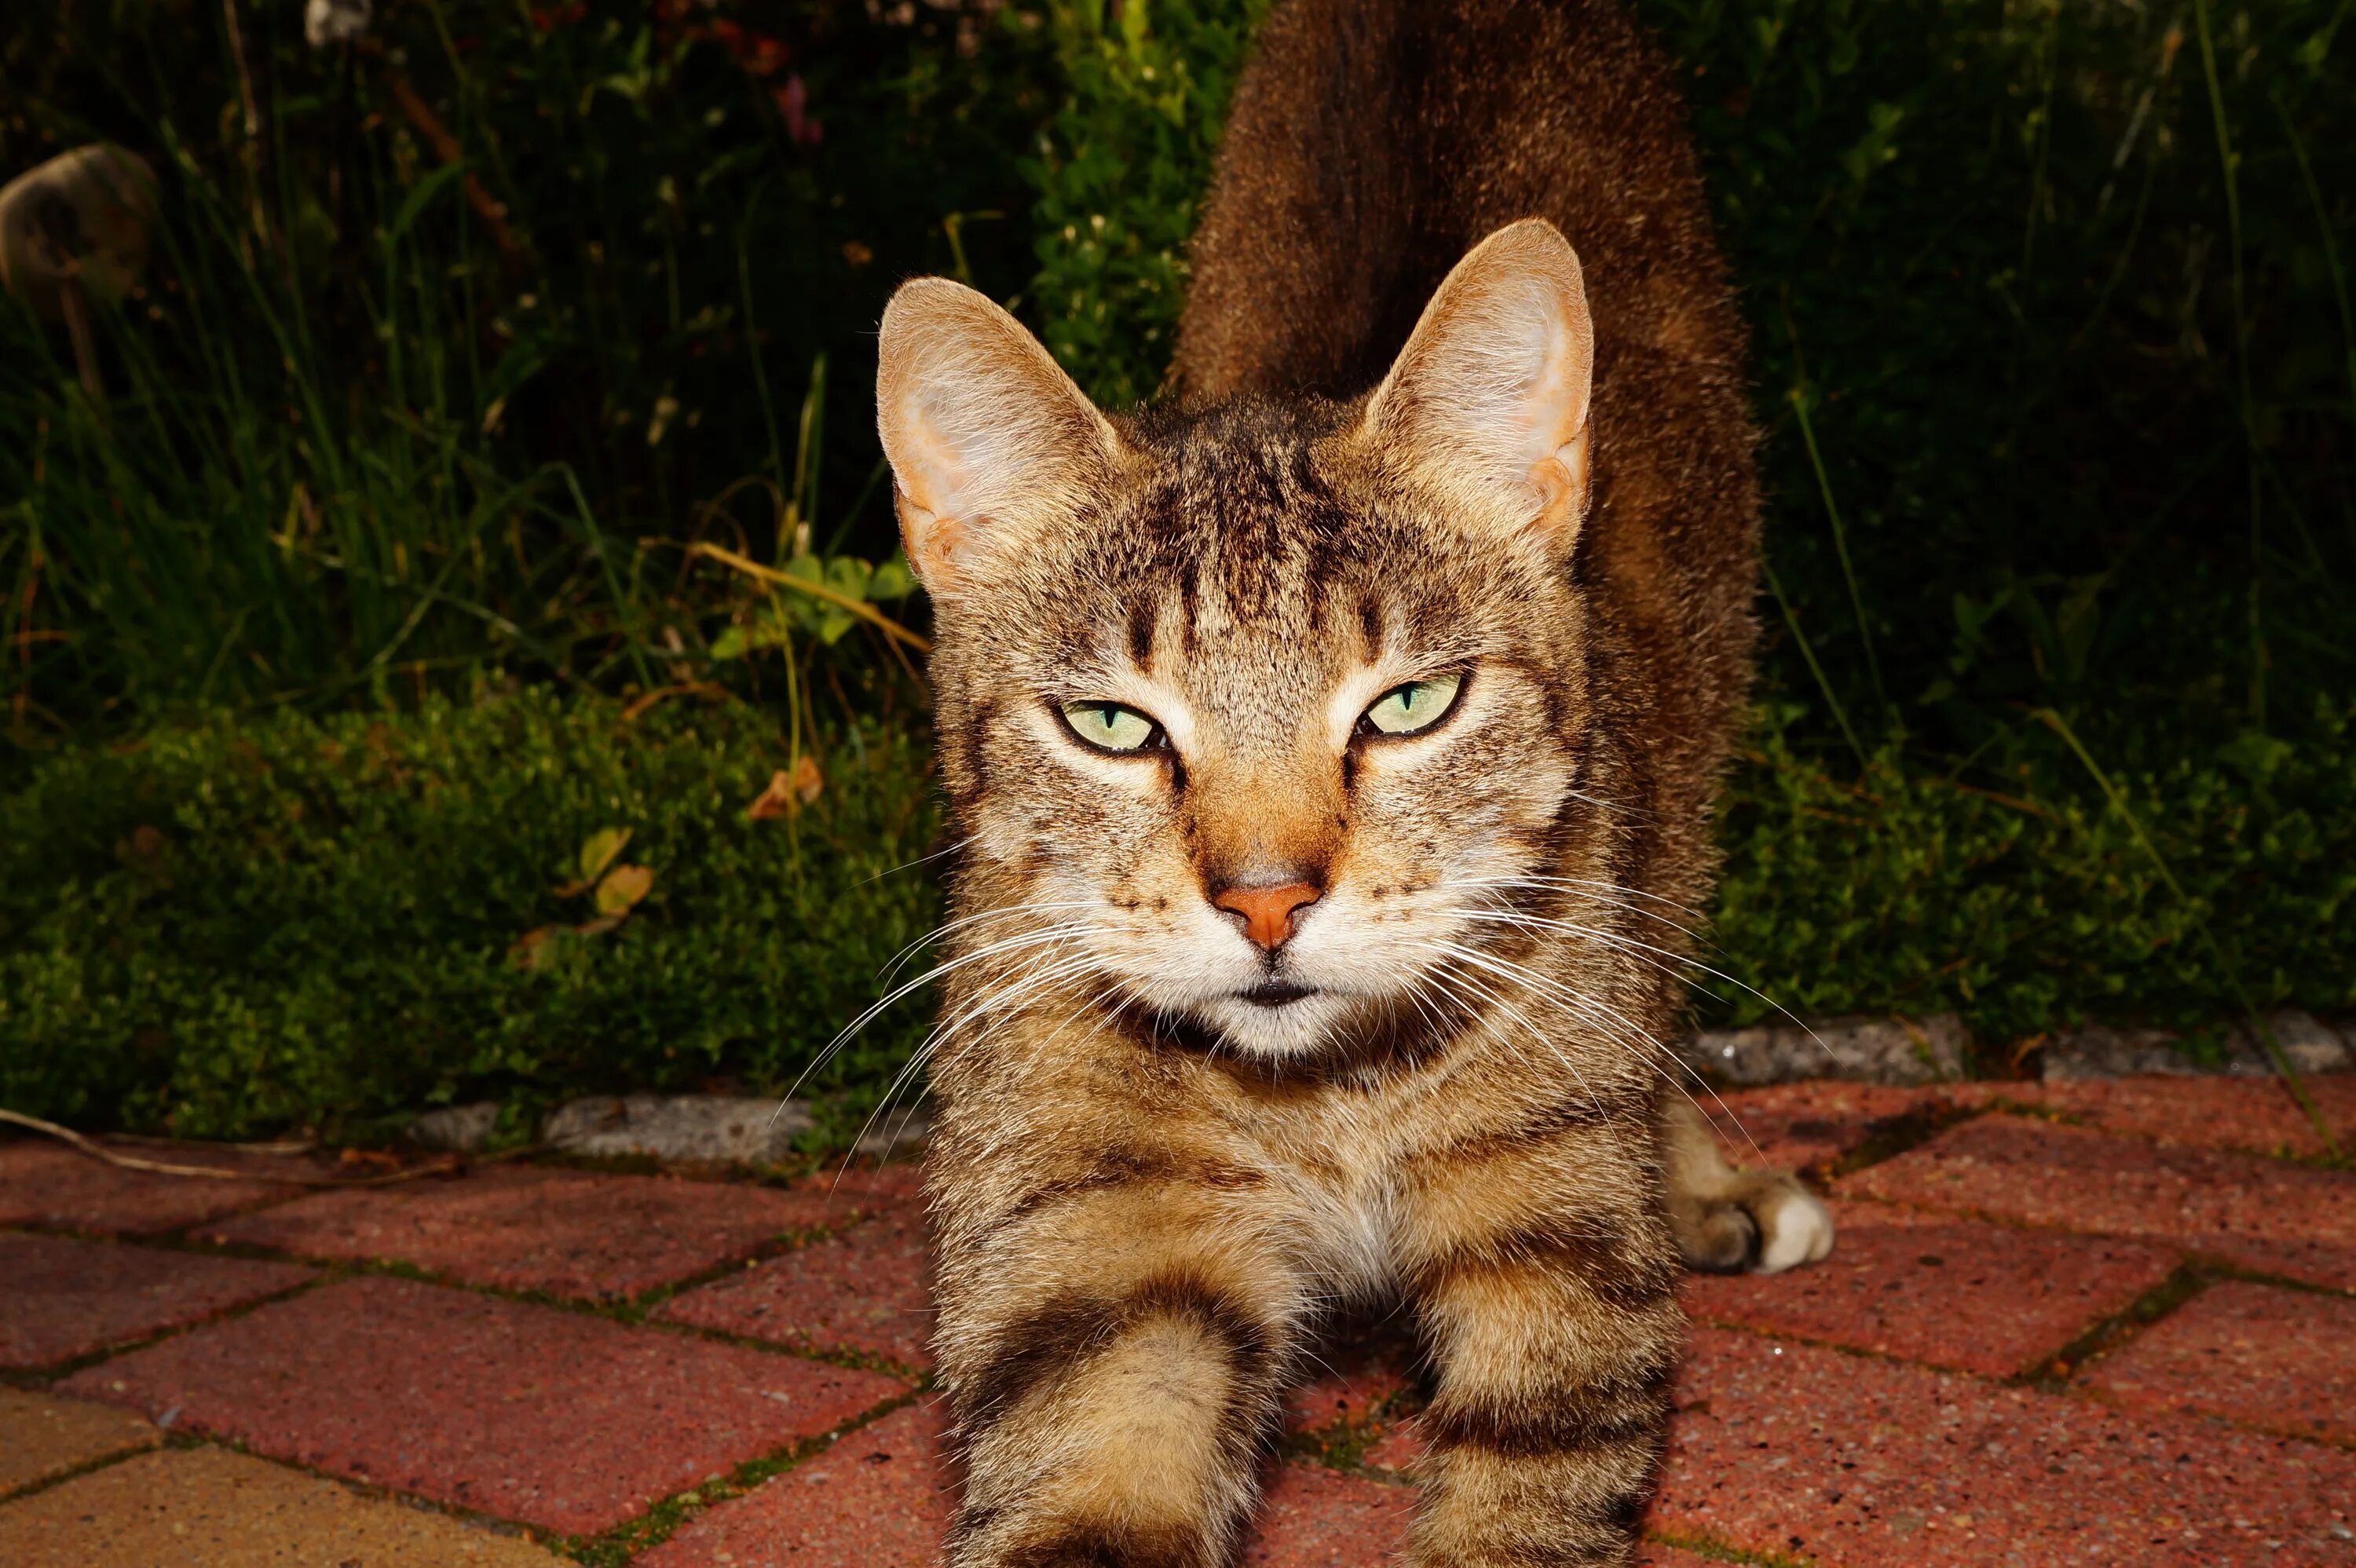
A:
[1330,751]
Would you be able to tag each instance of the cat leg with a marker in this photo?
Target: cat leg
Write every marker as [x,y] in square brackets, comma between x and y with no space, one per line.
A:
[1731,1220]
[1548,1296]
[1115,1357]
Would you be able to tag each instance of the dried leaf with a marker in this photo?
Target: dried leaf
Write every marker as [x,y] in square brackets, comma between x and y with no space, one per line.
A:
[623,888]
[807,781]
[778,800]
[597,927]
[788,793]
[531,950]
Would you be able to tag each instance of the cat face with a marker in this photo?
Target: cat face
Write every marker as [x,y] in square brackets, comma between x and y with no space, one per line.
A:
[1255,718]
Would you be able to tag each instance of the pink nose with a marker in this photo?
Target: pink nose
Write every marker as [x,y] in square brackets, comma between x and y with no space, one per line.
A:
[1266,912]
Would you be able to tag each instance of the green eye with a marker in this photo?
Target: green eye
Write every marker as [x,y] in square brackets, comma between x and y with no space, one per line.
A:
[1109,725]
[1418,705]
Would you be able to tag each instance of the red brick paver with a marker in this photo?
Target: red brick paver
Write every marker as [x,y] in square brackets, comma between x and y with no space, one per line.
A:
[2262,1214]
[65,1298]
[876,1499]
[864,1290]
[1984,1299]
[46,1183]
[2253,1114]
[527,1413]
[564,1231]
[1360,1369]
[42,1436]
[1806,1126]
[1802,1452]
[2273,1357]
[1314,1518]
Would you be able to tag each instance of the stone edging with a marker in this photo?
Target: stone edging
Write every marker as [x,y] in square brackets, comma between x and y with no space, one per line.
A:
[1906,1052]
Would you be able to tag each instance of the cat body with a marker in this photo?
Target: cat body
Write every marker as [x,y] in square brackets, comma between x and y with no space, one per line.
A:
[1330,755]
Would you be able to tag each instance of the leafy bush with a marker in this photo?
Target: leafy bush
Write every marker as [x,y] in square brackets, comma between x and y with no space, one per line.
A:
[2034,908]
[233,926]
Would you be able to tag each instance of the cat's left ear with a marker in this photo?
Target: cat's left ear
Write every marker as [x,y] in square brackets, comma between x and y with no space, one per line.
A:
[1487,403]
[990,442]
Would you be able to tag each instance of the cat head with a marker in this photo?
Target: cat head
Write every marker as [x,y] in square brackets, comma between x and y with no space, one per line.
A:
[1255,717]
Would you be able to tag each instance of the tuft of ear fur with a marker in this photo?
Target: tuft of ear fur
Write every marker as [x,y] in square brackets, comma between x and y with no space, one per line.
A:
[1487,403]
[990,442]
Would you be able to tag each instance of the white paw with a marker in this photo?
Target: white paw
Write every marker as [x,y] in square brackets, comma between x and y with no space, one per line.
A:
[1798,1230]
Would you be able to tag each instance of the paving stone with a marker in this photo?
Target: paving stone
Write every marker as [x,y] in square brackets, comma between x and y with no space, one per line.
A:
[1362,1368]
[526,1228]
[42,1435]
[2262,1214]
[1805,1126]
[204,1507]
[687,1127]
[527,1413]
[1905,1051]
[876,1499]
[2273,1357]
[1955,1293]
[2311,1045]
[1310,1517]
[1398,1450]
[2253,1114]
[1840,1460]
[457,1129]
[2101,1051]
[66,1298]
[868,1186]
[866,1289]
[896,1134]
[45,1183]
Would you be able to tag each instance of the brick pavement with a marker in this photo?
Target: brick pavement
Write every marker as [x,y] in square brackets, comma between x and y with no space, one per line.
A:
[2065,1324]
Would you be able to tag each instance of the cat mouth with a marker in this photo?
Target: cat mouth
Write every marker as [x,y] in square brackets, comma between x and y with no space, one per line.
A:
[1276,994]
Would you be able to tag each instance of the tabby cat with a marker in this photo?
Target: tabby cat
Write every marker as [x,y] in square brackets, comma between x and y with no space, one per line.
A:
[1330,750]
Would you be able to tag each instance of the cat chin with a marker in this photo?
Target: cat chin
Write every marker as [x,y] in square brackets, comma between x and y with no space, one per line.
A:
[1294,1030]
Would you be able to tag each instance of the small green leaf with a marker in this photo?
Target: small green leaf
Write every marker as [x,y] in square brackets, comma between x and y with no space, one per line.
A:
[599,852]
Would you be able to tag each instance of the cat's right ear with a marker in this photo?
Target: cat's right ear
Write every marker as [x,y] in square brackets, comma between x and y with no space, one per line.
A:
[1487,404]
[990,442]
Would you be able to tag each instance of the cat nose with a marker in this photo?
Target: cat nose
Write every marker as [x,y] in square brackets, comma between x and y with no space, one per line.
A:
[1266,912]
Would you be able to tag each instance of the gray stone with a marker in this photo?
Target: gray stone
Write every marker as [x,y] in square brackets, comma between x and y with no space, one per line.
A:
[2312,1045]
[1905,1051]
[457,1129]
[680,1127]
[895,1134]
[2101,1051]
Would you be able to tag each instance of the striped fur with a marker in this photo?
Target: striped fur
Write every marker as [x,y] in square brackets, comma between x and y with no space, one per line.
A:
[1162,1153]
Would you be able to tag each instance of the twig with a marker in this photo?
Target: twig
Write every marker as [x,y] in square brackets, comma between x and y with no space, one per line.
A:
[859,607]
[1798,398]
[450,1166]
[445,147]
[639,706]
[1807,651]
[2248,409]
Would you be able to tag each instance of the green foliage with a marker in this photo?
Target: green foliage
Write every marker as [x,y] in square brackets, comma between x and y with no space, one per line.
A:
[232,927]
[381,415]
[1905,891]
[1121,172]
[2055,363]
